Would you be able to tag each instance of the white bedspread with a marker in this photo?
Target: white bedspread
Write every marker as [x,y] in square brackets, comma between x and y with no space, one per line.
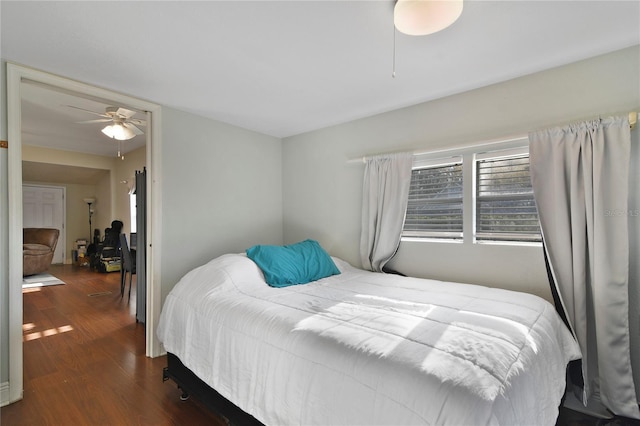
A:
[368,348]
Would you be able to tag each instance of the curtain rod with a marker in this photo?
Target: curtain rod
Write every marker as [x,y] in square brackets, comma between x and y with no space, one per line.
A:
[452,148]
[633,119]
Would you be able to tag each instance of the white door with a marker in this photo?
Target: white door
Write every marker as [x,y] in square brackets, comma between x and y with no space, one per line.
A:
[43,207]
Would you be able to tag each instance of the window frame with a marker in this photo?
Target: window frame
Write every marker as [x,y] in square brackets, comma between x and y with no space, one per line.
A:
[499,238]
[469,153]
[133,211]
[420,163]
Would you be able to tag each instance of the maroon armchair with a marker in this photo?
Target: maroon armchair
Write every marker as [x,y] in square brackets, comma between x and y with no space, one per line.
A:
[38,245]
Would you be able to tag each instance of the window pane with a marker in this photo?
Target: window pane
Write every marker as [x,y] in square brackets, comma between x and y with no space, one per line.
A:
[435,202]
[133,212]
[505,207]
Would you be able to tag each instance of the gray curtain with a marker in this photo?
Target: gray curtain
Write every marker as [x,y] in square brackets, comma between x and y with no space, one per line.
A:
[580,182]
[384,204]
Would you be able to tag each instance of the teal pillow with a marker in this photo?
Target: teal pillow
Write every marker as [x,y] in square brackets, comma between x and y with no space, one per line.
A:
[298,263]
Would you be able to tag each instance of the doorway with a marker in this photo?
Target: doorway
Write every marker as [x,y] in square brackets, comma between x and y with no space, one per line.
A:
[16,77]
[43,207]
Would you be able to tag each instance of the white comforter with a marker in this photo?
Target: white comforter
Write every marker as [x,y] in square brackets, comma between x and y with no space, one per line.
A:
[368,348]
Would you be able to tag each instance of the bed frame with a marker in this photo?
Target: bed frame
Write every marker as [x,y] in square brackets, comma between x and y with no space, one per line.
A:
[190,384]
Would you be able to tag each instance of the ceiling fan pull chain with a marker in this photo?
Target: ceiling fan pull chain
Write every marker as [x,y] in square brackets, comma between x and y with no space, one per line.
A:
[393,73]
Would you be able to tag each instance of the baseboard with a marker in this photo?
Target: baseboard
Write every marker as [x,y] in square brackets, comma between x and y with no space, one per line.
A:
[594,406]
[4,394]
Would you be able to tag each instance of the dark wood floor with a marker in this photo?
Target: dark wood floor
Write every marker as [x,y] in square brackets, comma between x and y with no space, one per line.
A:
[85,363]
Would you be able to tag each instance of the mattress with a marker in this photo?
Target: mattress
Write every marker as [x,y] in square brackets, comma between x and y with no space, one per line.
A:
[368,348]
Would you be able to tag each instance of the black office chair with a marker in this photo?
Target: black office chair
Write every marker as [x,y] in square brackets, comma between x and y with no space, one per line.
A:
[128,265]
[106,252]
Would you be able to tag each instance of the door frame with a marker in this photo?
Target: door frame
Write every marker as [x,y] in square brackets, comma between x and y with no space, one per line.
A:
[15,75]
[62,239]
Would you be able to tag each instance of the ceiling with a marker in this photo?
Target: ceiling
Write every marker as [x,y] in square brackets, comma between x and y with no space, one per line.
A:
[51,118]
[285,67]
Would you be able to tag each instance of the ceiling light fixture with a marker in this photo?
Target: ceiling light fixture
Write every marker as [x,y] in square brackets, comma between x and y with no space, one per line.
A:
[118,131]
[422,17]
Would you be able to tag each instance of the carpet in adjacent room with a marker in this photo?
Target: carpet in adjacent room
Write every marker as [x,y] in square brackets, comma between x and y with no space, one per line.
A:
[40,280]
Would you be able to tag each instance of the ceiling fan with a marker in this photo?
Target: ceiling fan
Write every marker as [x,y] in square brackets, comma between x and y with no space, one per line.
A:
[123,126]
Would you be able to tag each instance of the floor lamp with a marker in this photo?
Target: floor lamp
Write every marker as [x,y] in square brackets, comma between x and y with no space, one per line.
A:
[90,201]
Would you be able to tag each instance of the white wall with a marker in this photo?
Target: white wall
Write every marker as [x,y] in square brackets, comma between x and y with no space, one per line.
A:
[221,192]
[322,192]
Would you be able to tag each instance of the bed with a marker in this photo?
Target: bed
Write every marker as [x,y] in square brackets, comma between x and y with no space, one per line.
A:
[359,347]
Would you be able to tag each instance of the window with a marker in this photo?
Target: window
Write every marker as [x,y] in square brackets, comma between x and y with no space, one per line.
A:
[476,196]
[505,207]
[435,200]
[133,211]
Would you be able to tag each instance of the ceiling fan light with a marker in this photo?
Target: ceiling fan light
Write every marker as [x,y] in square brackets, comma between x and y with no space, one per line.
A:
[108,130]
[118,131]
[422,17]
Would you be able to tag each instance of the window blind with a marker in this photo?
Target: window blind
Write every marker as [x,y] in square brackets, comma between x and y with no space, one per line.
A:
[435,202]
[505,206]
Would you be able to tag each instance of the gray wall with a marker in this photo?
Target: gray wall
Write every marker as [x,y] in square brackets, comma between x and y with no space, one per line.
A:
[221,192]
[322,192]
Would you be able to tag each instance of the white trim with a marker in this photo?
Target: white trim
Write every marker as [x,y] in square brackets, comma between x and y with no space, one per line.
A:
[14,171]
[431,240]
[154,232]
[479,147]
[15,75]
[424,162]
[460,149]
[504,153]
[4,394]
[516,148]
[594,407]
[509,243]
[468,155]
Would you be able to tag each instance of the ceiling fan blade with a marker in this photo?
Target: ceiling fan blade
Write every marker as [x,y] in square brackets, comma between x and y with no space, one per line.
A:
[89,111]
[136,121]
[133,128]
[123,112]
[99,120]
